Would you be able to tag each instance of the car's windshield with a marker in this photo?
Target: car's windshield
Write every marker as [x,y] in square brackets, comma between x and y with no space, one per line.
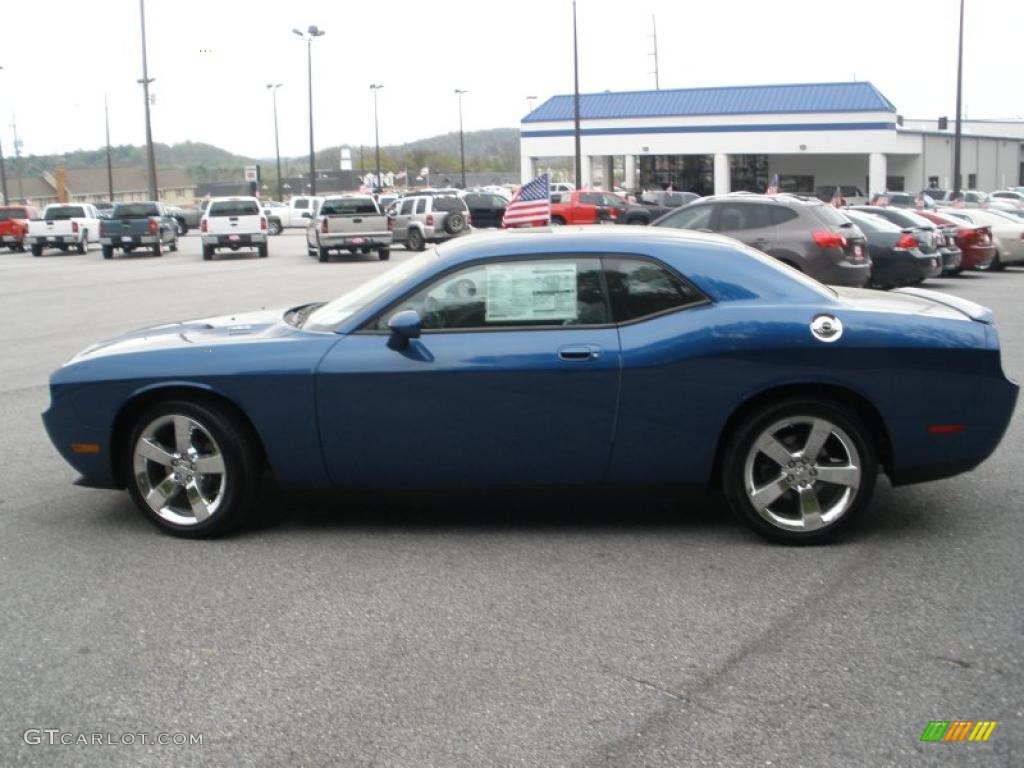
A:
[62,212]
[234,208]
[345,206]
[327,317]
[135,211]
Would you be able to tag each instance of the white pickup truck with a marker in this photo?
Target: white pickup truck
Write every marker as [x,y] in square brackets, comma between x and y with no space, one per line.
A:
[233,222]
[349,222]
[64,225]
[298,211]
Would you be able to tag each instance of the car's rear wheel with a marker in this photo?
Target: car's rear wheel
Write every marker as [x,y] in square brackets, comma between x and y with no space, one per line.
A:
[997,263]
[323,254]
[415,239]
[108,251]
[557,221]
[274,227]
[158,249]
[83,245]
[37,250]
[383,254]
[262,251]
[799,471]
[207,253]
[194,469]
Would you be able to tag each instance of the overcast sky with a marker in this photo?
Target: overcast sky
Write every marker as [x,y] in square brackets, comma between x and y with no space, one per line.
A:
[212,59]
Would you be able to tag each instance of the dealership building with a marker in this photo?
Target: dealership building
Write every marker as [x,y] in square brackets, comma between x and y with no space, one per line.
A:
[814,136]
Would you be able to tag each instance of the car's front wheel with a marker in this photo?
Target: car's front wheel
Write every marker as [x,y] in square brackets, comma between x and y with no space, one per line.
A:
[799,471]
[194,469]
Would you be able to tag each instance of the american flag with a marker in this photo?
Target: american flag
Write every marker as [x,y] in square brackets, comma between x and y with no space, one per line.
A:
[773,187]
[531,205]
[837,198]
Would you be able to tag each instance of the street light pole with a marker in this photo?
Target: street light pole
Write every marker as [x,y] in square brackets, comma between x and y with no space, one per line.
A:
[17,156]
[145,81]
[277,146]
[376,133]
[3,173]
[110,167]
[462,145]
[959,88]
[576,100]
[312,32]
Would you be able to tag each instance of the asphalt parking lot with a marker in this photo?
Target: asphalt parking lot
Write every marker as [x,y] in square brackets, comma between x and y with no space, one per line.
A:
[567,630]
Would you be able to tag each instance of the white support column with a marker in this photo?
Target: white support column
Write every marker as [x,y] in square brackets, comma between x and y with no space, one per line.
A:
[877,170]
[587,171]
[527,169]
[722,181]
[630,172]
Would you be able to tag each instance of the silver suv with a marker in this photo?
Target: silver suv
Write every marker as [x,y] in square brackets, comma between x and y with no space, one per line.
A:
[420,219]
[802,232]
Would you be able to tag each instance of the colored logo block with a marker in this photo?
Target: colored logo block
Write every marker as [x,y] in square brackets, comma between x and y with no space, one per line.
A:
[959,730]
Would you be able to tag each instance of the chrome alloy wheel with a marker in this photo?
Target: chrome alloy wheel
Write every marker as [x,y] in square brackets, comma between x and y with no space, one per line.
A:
[179,470]
[802,473]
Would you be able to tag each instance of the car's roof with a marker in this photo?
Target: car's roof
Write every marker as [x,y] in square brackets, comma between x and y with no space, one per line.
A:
[753,197]
[233,198]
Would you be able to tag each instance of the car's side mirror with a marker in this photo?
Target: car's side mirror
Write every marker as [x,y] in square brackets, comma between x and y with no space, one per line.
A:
[404,326]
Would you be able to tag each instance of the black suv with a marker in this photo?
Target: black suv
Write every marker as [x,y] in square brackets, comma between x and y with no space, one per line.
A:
[803,232]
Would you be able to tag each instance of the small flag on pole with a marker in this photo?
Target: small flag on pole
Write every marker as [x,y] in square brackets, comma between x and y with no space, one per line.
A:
[773,187]
[530,206]
[837,198]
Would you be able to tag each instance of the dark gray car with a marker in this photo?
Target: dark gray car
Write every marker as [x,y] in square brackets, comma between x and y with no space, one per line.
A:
[802,232]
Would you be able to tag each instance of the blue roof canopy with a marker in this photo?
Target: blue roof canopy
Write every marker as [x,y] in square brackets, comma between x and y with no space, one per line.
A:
[733,100]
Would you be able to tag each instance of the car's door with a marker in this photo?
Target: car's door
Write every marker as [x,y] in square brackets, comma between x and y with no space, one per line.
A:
[513,382]
[750,223]
[402,217]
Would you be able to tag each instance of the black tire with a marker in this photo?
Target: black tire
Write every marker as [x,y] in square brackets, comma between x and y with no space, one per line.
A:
[383,254]
[174,245]
[158,249]
[20,248]
[263,252]
[37,250]
[108,251]
[997,264]
[182,227]
[274,226]
[847,435]
[242,462]
[322,253]
[454,223]
[207,252]
[83,245]
[414,240]
[557,221]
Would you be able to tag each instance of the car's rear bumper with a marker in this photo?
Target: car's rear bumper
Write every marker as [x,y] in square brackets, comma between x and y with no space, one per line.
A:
[844,273]
[129,239]
[357,240]
[51,239]
[952,258]
[234,241]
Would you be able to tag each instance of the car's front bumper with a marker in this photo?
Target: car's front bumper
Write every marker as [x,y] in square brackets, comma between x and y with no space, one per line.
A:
[86,448]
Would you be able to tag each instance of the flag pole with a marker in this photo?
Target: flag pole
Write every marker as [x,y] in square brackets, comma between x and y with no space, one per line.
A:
[576,99]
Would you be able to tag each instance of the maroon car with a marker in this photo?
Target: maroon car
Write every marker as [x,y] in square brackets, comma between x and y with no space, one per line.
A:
[975,243]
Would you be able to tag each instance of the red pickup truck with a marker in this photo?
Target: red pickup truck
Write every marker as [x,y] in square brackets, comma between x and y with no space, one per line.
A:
[586,206]
[14,225]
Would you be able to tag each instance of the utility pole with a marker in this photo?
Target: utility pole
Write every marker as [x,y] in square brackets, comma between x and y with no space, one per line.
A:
[145,81]
[277,146]
[654,37]
[576,99]
[959,89]
[110,167]
[17,156]
[462,143]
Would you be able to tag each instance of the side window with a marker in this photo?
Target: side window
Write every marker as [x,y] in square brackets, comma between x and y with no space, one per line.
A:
[591,198]
[690,217]
[302,205]
[407,206]
[535,292]
[639,288]
[421,205]
[780,214]
[736,217]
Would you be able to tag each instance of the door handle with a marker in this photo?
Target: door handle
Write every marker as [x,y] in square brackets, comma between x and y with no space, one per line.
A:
[579,352]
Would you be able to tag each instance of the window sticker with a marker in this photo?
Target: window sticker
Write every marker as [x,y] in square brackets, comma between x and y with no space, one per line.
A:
[531,291]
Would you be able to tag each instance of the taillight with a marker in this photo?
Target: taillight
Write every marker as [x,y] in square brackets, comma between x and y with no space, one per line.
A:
[263,222]
[907,241]
[828,239]
[469,218]
[391,224]
[430,220]
[152,226]
[323,225]
[202,225]
[74,227]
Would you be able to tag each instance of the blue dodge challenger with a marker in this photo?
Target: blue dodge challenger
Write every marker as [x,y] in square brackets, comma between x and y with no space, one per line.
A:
[579,357]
